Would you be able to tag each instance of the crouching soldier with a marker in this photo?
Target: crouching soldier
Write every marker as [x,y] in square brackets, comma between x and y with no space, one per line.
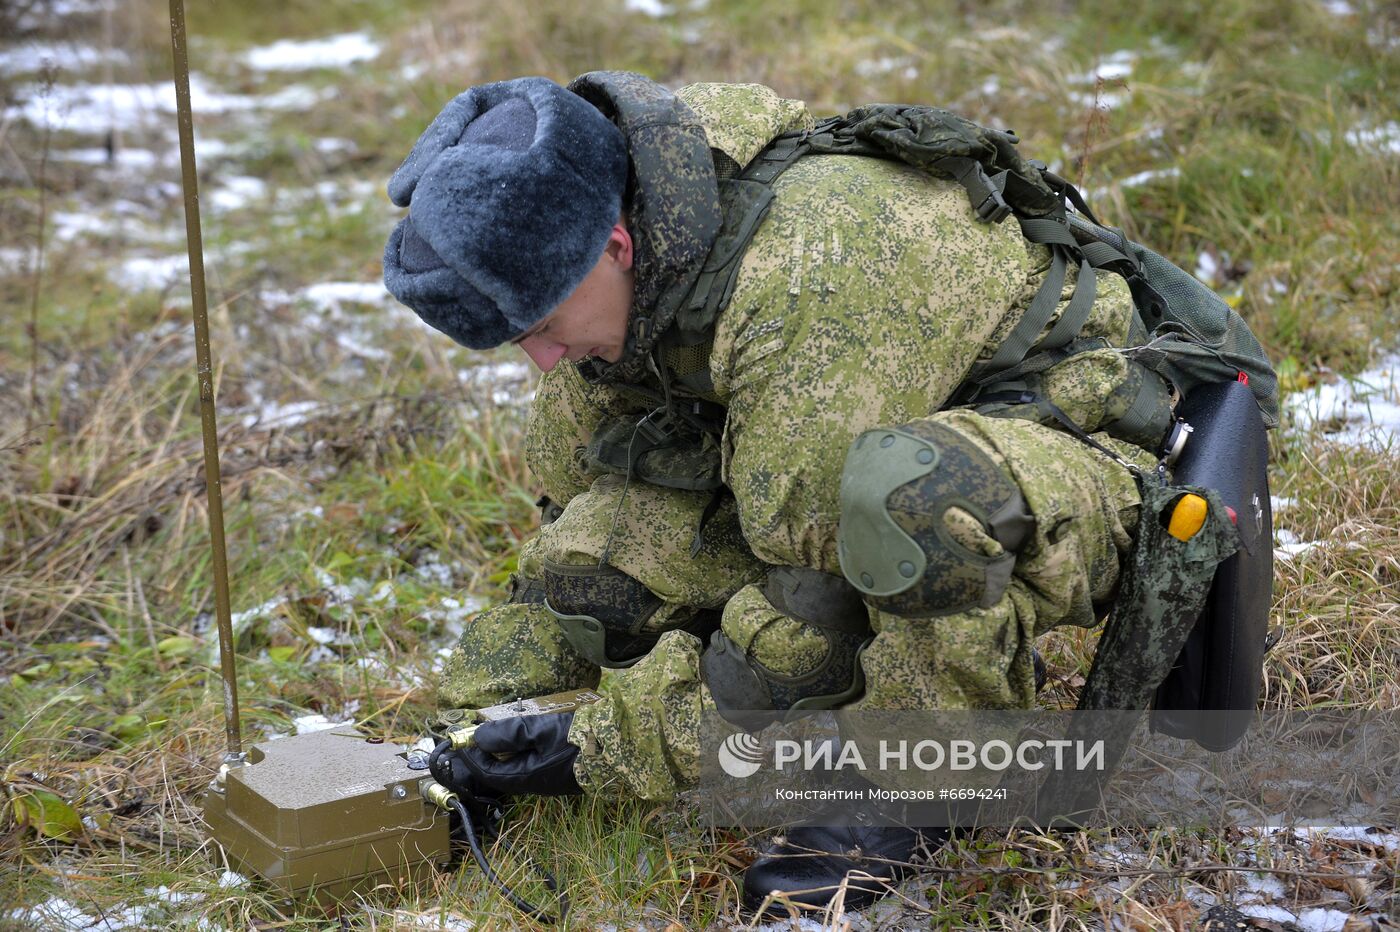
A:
[755,351]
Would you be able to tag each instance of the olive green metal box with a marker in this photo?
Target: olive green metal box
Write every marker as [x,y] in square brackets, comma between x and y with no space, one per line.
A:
[328,813]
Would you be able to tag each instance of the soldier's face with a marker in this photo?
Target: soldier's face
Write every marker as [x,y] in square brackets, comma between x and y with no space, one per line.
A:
[592,321]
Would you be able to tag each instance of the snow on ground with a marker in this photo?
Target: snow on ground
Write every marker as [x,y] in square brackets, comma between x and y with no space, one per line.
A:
[1385,137]
[235,192]
[96,108]
[1207,267]
[888,65]
[37,56]
[306,724]
[125,157]
[1389,841]
[1115,67]
[1362,411]
[329,52]
[645,7]
[149,273]
[1151,174]
[59,914]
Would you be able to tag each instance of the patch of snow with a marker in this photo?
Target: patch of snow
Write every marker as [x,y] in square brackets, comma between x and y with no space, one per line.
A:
[36,56]
[293,97]
[96,108]
[1322,920]
[1338,7]
[1387,840]
[56,913]
[1278,503]
[1152,174]
[331,145]
[371,664]
[384,592]
[433,570]
[1115,67]
[69,225]
[1206,267]
[42,17]
[1363,411]
[149,273]
[446,921]
[236,192]
[645,7]
[1102,100]
[331,295]
[888,65]
[802,924]
[1265,886]
[495,373]
[453,613]
[124,158]
[276,414]
[1296,548]
[14,260]
[1386,137]
[230,879]
[59,914]
[341,593]
[306,724]
[330,52]
[1271,913]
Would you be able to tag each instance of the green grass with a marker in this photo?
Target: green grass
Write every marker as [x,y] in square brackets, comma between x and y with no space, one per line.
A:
[1246,113]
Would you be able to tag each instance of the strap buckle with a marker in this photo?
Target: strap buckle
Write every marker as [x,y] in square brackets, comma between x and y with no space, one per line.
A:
[994,208]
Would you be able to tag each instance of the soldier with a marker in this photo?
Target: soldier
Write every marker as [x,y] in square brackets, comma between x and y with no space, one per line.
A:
[712,345]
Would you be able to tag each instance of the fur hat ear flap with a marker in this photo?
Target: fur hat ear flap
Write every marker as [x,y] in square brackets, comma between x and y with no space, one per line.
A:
[512,193]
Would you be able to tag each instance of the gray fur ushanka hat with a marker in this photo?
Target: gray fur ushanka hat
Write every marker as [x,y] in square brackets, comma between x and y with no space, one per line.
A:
[512,192]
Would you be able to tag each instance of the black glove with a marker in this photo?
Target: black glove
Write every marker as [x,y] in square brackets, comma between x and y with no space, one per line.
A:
[541,761]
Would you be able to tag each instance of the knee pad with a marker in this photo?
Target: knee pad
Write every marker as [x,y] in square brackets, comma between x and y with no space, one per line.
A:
[836,629]
[609,617]
[930,524]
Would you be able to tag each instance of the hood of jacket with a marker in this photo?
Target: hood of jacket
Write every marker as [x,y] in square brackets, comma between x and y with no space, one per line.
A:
[673,206]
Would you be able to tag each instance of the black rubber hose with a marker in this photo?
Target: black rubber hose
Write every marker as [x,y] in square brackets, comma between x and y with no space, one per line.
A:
[526,907]
[434,756]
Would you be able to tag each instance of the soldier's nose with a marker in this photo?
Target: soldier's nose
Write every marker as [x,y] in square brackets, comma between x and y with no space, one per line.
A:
[542,352]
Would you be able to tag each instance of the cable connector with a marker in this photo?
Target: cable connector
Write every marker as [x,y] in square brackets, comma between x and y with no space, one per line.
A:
[438,795]
[462,737]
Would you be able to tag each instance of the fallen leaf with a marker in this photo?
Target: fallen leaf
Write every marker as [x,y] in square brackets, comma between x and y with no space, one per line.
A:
[177,646]
[47,815]
[343,513]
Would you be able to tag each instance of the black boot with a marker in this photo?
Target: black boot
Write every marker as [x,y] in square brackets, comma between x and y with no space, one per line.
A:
[809,864]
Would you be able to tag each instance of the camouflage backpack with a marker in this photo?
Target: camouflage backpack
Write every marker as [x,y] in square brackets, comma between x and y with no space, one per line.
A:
[1182,330]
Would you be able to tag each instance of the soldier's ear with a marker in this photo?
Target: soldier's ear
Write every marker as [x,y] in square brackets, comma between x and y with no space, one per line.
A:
[619,246]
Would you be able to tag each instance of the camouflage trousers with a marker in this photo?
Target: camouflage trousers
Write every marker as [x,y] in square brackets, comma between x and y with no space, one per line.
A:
[642,738]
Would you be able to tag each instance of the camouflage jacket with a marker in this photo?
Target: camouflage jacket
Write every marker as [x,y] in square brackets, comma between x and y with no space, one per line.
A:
[864,299]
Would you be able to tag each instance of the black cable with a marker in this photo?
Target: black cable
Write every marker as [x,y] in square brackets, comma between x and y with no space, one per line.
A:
[434,756]
[529,909]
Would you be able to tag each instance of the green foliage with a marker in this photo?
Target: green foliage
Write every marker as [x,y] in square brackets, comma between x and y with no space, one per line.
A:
[1254,132]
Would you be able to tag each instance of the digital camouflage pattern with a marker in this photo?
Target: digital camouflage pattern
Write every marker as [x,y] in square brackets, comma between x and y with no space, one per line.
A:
[673,205]
[566,411]
[513,650]
[740,119]
[863,301]
[648,532]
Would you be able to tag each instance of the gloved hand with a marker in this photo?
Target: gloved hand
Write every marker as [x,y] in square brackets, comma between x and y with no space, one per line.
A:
[541,761]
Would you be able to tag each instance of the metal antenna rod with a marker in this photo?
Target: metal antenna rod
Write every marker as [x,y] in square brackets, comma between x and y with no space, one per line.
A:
[206,379]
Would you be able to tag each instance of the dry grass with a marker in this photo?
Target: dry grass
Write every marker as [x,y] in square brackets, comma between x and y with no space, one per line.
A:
[406,475]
